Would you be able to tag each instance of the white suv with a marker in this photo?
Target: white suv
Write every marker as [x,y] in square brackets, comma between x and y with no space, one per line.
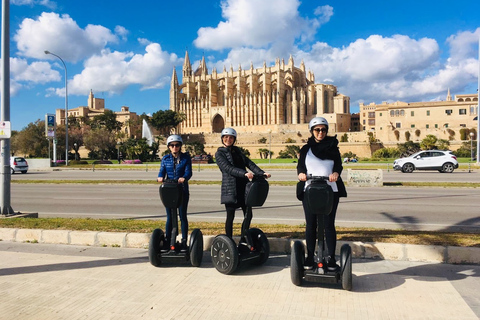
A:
[18,164]
[443,161]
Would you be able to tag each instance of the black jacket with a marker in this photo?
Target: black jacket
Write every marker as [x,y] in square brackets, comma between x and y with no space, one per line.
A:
[326,149]
[230,173]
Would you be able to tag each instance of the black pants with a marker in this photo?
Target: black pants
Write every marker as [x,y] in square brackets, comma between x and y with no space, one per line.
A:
[247,218]
[330,231]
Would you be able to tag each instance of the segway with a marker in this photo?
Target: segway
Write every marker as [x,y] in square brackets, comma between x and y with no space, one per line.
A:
[171,194]
[226,255]
[319,200]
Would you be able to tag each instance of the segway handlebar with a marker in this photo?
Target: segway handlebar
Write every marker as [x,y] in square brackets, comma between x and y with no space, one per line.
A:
[317,178]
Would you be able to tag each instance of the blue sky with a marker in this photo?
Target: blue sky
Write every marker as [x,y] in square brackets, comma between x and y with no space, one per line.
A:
[125,51]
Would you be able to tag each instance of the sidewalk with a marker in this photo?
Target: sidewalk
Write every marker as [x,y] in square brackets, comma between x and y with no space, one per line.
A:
[51,281]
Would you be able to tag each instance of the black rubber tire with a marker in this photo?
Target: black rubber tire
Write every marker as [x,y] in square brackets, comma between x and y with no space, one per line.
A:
[448,167]
[260,244]
[346,267]
[154,246]
[297,260]
[224,254]
[408,167]
[196,248]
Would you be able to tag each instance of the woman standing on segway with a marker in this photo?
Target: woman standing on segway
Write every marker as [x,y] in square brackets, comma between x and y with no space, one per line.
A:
[321,157]
[233,164]
[177,165]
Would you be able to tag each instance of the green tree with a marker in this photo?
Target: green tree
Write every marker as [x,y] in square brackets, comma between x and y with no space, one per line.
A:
[165,120]
[291,151]
[31,141]
[107,120]
[429,142]
[408,148]
[195,147]
[102,143]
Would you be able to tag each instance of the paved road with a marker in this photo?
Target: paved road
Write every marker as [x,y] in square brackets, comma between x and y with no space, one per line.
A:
[40,281]
[390,207]
[214,174]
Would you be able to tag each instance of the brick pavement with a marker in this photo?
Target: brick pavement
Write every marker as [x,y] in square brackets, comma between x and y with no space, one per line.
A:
[47,281]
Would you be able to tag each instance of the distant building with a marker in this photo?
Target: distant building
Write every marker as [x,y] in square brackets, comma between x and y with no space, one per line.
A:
[278,98]
[96,106]
[444,119]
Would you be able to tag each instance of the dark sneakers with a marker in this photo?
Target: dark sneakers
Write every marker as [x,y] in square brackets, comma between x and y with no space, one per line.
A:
[308,265]
[183,246]
[331,263]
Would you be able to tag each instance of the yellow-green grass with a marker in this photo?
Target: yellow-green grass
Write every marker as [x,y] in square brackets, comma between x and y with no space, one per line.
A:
[272,230]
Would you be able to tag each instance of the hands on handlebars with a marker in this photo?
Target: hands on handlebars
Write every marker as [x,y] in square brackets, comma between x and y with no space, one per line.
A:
[332,178]
[250,175]
[180,180]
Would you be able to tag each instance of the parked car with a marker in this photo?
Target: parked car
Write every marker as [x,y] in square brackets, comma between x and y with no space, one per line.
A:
[18,164]
[443,161]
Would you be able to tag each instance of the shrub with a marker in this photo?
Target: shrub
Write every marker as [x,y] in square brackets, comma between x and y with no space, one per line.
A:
[102,162]
[78,162]
[136,161]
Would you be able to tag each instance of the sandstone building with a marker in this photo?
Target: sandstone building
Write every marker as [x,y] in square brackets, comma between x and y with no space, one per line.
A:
[280,98]
[95,107]
[394,122]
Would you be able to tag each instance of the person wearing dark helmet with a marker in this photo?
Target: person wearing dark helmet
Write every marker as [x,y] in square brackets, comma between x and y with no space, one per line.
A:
[233,164]
[321,157]
[177,165]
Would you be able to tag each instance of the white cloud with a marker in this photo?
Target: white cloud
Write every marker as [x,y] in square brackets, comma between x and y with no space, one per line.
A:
[252,23]
[119,70]
[47,3]
[463,44]
[62,36]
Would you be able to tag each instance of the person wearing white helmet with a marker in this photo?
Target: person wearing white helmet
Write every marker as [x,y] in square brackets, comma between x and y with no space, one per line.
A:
[177,165]
[321,157]
[233,164]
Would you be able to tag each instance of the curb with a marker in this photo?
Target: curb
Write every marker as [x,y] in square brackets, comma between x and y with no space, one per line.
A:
[361,250]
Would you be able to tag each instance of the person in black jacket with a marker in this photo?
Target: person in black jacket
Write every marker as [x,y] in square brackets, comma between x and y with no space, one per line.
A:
[233,164]
[321,157]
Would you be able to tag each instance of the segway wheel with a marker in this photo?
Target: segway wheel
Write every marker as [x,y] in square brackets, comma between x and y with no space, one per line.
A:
[346,267]
[297,260]
[156,243]
[224,254]
[260,244]
[196,248]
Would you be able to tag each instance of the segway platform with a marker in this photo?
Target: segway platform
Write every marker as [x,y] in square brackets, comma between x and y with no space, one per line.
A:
[319,198]
[171,194]
[226,255]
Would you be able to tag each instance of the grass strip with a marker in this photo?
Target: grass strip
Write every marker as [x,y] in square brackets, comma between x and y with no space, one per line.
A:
[272,230]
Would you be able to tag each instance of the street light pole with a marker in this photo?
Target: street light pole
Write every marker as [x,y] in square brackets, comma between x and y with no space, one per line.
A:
[471,145]
[66,106]
[270,146]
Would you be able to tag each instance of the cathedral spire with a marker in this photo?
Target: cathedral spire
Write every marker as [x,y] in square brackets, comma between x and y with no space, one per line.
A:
[187,66]
[449,97]
[174,77]
[203,66]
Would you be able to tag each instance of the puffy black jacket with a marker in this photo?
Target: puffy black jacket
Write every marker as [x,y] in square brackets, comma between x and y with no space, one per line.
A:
[230,173]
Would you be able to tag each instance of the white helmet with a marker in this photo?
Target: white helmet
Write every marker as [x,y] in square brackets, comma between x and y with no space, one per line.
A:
[174,138]
[229,132]
[316,121]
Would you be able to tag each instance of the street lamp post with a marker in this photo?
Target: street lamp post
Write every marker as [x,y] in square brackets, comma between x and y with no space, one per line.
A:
[471,145]
[270,146]
[66,106]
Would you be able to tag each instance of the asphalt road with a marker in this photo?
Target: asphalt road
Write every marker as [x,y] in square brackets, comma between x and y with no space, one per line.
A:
[453,209]
[150,173]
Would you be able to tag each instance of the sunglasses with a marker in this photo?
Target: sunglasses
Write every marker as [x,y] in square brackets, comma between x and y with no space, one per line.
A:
[318,130]
[174,145]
